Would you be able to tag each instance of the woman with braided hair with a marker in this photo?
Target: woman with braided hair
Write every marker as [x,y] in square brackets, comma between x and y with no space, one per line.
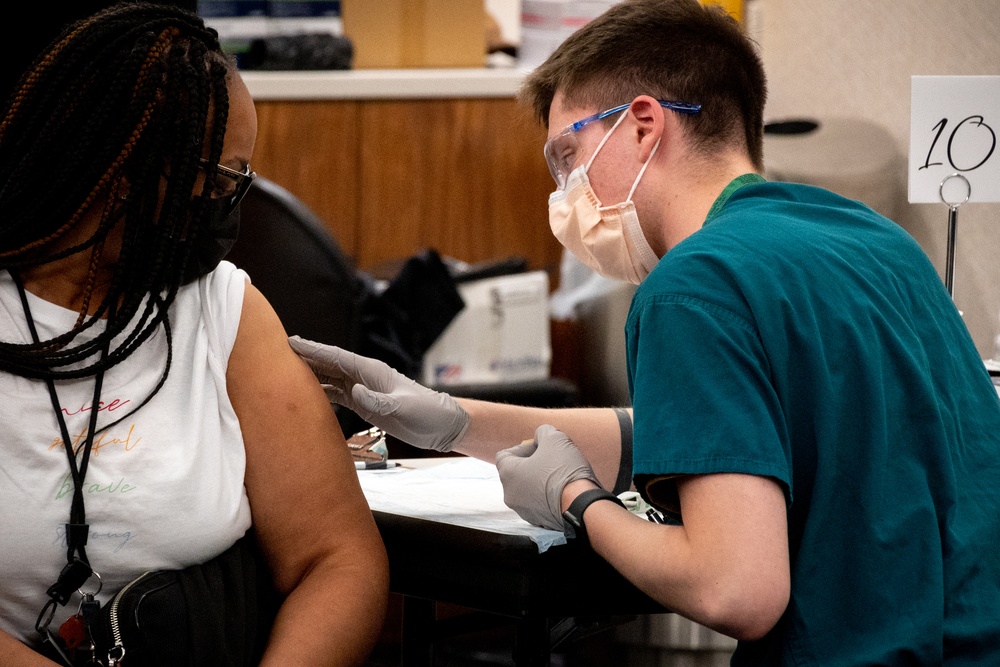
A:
[153,411]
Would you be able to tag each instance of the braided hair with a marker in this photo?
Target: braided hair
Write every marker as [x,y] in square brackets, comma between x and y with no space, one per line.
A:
[116,113]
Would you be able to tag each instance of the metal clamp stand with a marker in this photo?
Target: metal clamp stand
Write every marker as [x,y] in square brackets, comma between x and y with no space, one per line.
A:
[949,269]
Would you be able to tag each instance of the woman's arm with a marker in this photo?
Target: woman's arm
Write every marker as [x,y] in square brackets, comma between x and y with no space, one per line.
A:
[13,652]
[309,513]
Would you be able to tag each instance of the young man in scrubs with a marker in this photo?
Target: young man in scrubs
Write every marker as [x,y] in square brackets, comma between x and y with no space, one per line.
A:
[809,408]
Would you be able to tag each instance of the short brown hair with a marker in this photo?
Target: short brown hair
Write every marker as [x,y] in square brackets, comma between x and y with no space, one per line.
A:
[669,49]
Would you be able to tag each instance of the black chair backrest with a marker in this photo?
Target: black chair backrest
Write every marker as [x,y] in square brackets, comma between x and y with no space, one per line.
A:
[297,264]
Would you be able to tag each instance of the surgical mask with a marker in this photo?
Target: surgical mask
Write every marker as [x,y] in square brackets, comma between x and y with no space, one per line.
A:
[608,239]
[216,239]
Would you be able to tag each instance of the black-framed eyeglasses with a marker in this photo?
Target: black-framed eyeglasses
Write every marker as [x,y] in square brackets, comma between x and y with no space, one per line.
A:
[243,180]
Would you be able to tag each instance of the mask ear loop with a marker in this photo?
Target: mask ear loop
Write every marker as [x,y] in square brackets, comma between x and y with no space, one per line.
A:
[604,140]
[642,171]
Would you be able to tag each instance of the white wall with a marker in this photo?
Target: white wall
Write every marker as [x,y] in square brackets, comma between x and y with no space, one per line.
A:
[854,58]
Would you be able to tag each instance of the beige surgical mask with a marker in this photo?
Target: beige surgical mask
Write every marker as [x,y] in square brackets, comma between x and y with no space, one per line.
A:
[608,239]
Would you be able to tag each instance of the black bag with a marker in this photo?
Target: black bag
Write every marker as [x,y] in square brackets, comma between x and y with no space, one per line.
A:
[217,613]
[401,322]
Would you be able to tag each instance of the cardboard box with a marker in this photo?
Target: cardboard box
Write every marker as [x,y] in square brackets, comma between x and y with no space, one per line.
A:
[502,334]
[389,34]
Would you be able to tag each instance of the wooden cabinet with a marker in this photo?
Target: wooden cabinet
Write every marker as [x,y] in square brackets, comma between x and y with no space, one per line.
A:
[392,177]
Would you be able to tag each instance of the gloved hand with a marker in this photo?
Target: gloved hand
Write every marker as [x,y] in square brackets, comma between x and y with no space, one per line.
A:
[534,475]
[388,399]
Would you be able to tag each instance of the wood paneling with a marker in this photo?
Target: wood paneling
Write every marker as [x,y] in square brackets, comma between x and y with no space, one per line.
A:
[465,177]
[311,149]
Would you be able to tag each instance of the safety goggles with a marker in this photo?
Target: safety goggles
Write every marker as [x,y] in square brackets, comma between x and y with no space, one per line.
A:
[562,150]
[242,179]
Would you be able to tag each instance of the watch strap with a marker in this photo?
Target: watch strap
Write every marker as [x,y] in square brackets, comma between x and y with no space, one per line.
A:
[573,516]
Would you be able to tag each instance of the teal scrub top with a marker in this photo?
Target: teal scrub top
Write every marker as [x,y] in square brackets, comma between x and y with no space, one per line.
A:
[801,336]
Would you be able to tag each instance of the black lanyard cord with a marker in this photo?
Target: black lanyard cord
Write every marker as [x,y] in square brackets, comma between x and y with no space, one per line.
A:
[76,529]
[77,569]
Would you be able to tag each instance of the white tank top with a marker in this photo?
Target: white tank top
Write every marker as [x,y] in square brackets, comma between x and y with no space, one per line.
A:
[164,488]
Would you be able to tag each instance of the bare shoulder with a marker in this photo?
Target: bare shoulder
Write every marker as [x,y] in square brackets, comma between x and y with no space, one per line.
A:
[261,336]
[263,369]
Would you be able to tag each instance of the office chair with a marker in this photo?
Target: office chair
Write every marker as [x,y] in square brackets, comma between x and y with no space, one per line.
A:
[298,266]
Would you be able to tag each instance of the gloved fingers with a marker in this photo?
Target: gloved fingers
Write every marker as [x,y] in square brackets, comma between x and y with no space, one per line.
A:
[322,360]
[548,434]
[522,451]
[336,394]
[369,403]
[331,363]
[313,353]
[546,521]
[515,468]
[373,373]
[305,347]
[544,430]
[552,440]
[554,445]
[527,500]
[534,516]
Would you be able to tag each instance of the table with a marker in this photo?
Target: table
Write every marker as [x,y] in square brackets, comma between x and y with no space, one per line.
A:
[548,595]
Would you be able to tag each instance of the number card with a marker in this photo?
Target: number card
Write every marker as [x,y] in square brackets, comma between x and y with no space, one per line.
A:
[954,122]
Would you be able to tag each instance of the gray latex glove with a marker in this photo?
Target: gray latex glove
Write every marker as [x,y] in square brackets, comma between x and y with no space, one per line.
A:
[534,475]
[388,399]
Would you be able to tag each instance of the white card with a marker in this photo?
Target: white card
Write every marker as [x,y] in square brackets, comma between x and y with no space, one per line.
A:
[954,128]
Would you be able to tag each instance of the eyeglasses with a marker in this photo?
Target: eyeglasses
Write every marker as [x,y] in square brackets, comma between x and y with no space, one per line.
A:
[561,151]
[243,180]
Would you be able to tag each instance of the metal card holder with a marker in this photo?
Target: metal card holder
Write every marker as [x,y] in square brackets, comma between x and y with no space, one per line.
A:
[949,271]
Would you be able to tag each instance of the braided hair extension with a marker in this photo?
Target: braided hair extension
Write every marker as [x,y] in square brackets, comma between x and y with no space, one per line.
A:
[116,113]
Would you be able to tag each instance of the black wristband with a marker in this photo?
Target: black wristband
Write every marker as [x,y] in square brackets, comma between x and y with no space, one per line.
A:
[573,516]
[624,480]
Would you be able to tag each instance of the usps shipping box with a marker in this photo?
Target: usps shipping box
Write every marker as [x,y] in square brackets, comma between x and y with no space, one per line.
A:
[502,334]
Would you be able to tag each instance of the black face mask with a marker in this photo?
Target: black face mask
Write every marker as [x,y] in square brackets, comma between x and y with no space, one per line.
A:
[216,239]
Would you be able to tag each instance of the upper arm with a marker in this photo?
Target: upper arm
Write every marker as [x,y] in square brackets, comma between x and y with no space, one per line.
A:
[304,494]
[726,567]
[736,527]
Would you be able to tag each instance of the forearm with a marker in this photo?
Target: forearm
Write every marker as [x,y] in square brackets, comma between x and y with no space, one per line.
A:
[333,616]
[13,652]
[657,559]
[726,567]
[496,426]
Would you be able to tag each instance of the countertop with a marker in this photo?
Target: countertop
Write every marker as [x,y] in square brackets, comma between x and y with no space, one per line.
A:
[384,84]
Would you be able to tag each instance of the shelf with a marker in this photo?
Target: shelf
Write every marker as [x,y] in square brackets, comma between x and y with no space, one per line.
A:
[383,84]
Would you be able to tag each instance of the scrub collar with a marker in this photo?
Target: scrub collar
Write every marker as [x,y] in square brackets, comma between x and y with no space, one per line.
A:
[734,185]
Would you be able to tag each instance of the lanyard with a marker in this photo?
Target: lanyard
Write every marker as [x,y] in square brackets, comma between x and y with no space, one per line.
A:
[77,569]
[730,190]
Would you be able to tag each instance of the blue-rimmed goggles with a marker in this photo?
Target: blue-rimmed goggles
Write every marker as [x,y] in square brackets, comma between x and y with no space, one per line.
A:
[562,150]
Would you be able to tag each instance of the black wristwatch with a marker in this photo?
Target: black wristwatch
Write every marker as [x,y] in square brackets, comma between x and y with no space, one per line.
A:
[573,516]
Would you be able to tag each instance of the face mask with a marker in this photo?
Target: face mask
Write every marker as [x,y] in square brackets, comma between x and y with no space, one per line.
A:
[608,239]
[215,240]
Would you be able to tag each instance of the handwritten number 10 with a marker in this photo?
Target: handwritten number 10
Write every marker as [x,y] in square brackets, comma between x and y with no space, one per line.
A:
[940,130]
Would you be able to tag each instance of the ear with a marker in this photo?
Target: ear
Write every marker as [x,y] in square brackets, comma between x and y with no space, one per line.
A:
[650,124]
